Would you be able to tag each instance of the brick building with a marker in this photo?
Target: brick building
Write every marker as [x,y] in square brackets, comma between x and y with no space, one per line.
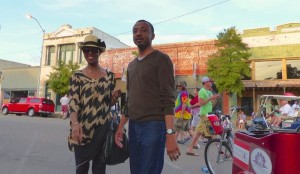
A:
[274,52]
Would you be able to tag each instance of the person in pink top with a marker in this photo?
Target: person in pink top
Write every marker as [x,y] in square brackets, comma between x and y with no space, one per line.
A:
[195,107]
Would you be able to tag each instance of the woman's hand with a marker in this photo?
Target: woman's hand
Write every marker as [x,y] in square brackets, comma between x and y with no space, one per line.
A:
[116,94]
[76,132]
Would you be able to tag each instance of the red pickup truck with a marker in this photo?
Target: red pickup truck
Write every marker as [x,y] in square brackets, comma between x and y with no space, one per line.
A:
[30,106]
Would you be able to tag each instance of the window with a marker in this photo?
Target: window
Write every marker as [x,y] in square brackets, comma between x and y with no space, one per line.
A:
[31,93]
[50,55]
[6,95]
[34,100]
[293,69]
[23,100]
[67,53]
[268,70]
[47,101]
[81,57]
[16,100]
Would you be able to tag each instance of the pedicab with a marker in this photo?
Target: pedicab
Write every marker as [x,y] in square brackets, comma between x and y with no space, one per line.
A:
[259,120]
[267,151]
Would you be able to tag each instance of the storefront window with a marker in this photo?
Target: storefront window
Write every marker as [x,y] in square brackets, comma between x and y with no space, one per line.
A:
[268,70]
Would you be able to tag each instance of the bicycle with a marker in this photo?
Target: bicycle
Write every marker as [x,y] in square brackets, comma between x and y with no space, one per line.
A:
[218,151]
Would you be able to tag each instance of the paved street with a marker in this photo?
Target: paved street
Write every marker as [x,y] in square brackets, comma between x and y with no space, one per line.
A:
[35,145]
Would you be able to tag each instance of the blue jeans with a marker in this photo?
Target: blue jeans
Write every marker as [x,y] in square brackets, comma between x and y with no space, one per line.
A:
[147,146]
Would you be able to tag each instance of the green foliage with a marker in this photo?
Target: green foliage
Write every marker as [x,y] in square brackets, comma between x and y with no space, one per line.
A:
[135,53]
[59,78]
[229,65]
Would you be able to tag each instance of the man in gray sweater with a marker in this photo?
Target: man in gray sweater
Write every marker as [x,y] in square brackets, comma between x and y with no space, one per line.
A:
[150,101]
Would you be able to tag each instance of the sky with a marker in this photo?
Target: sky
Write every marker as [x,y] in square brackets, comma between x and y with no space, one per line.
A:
[173,20]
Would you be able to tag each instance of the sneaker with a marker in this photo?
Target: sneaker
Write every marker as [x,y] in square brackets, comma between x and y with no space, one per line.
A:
[196,146]
[180,141]
[186,139]
[204,170]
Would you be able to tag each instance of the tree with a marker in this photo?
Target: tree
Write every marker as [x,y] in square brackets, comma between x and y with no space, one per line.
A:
[228,66]
[292,72]
[59,78]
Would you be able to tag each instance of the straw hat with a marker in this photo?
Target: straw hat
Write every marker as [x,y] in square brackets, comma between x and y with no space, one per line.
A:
[93,41]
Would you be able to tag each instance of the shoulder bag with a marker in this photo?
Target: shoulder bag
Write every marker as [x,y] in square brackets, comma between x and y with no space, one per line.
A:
[111,153]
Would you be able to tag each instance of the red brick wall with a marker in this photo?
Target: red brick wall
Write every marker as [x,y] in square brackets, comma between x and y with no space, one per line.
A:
[183,56]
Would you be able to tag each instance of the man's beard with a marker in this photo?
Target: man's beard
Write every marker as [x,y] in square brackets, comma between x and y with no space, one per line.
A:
[142,47]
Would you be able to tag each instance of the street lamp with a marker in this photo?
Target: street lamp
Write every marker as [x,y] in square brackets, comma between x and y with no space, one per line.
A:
[28,16]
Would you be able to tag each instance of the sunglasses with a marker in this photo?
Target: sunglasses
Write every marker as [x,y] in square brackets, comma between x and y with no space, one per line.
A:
[178,86]
[91,50]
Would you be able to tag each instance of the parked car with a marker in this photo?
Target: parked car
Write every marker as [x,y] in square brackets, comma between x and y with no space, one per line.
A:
[30,106]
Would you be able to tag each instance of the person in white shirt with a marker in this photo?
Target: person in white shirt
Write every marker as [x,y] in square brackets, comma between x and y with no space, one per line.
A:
[295,105]
[64,101]
[286,112]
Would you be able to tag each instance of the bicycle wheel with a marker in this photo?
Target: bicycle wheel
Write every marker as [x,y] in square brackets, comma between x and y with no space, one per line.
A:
[218,157]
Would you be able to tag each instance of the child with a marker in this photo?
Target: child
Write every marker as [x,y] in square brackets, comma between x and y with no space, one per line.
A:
[241,120]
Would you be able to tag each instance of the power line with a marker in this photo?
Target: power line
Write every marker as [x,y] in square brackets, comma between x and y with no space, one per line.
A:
[176,17]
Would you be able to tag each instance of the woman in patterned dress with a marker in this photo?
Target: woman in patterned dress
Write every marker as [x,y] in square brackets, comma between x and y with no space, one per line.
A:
[91,96]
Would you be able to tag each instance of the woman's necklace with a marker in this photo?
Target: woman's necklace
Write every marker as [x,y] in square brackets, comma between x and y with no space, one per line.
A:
[93,73]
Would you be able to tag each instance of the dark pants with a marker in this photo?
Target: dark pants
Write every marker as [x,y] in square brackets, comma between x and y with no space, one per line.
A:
[91,152]
[97,166]
[146,146]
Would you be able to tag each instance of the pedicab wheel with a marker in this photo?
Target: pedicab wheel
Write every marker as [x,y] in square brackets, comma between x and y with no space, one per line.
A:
[218,157]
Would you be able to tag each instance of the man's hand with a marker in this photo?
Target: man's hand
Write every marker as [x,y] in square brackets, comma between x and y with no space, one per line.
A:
[119,136]
[215,96]
[172,147]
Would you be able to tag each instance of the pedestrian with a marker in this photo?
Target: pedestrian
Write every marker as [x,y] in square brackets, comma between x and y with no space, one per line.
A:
[183,113]
[91,96]
[286,112]
[205,100]
[241,121]
[274,111]
[150,102]
[64,101]
[195,106]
